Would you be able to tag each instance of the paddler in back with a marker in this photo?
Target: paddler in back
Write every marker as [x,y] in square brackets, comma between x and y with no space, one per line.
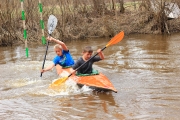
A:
[87,68]
[63,59]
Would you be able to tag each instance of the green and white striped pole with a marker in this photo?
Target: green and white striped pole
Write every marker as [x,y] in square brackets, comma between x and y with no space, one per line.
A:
[24,27]
[42,22]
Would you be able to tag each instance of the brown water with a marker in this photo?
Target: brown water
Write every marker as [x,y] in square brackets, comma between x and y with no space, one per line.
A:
[145,70]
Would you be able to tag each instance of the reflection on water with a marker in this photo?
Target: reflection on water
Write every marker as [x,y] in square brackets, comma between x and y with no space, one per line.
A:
[145,70]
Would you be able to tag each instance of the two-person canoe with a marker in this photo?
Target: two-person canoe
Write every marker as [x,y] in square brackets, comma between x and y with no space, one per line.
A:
[97,82]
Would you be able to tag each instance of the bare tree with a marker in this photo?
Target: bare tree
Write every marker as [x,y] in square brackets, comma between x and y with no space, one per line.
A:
[99,6]
[122,9]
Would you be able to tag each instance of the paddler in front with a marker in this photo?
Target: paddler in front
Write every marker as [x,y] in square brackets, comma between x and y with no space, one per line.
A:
[63,59]
[87,68]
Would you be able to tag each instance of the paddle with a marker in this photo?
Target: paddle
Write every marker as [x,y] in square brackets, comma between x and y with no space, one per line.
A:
[52,22]
[113,41]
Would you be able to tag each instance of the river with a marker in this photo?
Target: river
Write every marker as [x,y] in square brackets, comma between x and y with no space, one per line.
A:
[145,69]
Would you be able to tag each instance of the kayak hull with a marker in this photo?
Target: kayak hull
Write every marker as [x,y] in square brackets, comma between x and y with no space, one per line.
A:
[99,89]
[97,82]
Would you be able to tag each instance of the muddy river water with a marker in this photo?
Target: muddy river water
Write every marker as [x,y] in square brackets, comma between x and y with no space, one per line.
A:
[145,69]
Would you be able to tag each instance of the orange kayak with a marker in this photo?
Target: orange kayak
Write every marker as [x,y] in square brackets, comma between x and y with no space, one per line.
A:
[97,82]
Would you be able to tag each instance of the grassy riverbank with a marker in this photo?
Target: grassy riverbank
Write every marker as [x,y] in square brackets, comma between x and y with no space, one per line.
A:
[80,19]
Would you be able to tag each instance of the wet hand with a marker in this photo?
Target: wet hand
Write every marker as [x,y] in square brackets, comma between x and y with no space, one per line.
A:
[42,70]
[73,71]
[49,38]
[99,50]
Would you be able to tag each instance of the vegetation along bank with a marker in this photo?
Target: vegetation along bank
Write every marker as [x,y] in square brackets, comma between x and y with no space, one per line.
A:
[80,19]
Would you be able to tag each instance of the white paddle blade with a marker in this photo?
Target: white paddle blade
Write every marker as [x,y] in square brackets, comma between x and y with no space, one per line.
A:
[52,22]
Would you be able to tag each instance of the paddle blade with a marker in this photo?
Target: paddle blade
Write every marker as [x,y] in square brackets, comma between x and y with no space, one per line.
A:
[116,39]
[58,82]
[52,22]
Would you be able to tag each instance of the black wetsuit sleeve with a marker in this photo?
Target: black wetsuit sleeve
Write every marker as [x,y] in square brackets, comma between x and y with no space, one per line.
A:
[96,58]
[77,64]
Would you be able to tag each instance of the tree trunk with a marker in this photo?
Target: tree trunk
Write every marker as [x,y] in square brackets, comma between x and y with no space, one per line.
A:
[98,6]
[113,5]
[122,9]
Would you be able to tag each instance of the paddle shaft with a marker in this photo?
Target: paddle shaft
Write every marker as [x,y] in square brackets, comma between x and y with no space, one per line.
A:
[45,56]
[87,61]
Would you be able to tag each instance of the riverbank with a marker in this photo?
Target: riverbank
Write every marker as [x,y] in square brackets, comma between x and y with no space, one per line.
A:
[83,21]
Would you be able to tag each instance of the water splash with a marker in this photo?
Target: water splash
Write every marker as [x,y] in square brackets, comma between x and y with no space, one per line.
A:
[68,88]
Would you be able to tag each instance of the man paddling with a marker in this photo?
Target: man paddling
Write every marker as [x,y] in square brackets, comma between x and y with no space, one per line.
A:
[87,68]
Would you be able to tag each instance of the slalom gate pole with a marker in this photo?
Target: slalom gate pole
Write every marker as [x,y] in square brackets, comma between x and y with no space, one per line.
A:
[41,22]
[24,27]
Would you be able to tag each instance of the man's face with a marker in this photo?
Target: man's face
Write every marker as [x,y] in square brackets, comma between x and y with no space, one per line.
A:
[87,55]
[58,51]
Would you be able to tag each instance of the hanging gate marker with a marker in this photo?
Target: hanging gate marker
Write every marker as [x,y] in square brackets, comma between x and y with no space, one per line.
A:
[24,27]
[41,22]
